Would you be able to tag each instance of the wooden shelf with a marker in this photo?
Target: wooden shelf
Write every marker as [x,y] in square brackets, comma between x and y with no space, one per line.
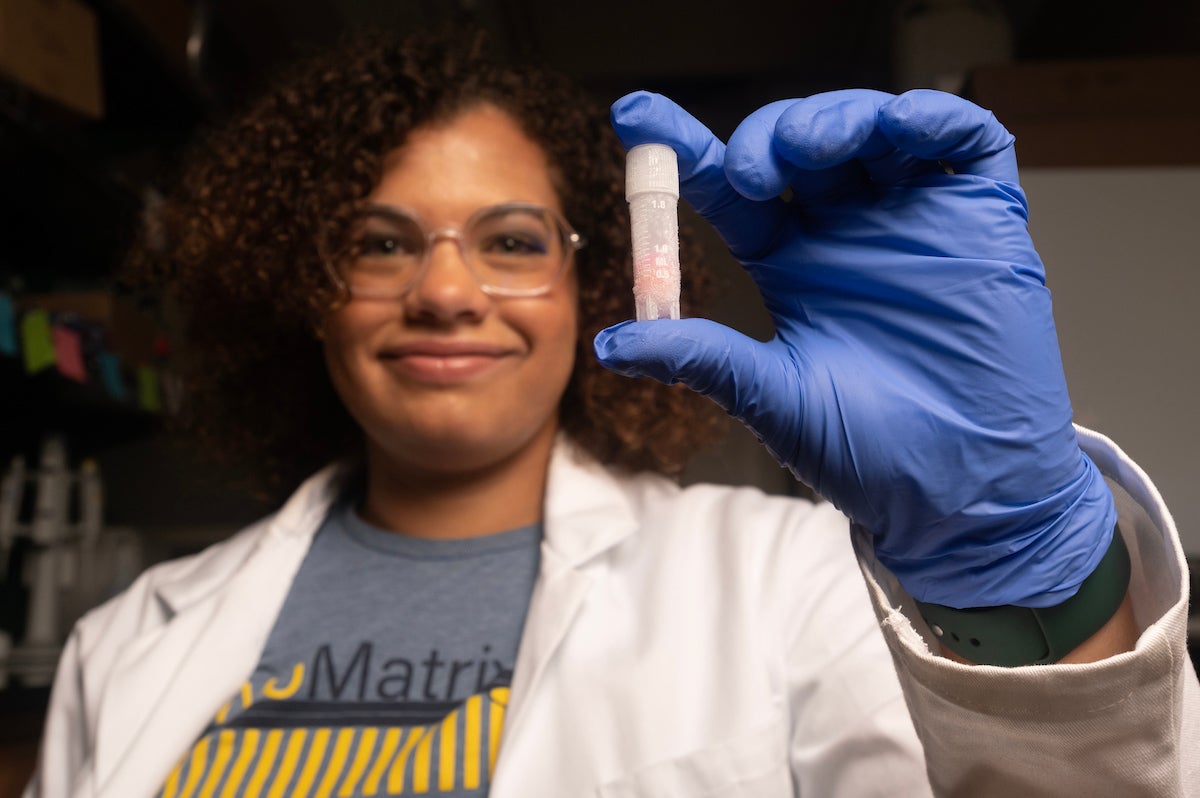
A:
[47,401]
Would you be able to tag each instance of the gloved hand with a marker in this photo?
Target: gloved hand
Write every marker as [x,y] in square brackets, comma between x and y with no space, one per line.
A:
[914,379]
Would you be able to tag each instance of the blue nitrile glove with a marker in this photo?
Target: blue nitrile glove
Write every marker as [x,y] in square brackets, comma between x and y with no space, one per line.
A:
[914,379]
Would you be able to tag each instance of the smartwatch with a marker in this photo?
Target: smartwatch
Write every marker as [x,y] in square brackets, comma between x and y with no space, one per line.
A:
[1009,636]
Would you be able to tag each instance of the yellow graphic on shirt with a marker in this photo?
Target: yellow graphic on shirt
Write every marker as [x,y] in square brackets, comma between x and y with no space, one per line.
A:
[351,760]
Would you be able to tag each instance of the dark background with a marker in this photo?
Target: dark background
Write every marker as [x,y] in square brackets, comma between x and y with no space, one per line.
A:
[69,187]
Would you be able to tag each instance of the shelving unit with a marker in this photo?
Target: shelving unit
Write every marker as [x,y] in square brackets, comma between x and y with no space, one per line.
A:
[72,189]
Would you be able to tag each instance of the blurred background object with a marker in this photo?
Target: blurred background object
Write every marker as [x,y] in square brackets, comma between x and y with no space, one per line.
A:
[937,42]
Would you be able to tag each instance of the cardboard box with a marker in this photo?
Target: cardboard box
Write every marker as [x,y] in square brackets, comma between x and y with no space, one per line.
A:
[1110,112]
[53,47]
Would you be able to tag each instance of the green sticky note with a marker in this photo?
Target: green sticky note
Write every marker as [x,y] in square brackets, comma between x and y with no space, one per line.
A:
[37,341]
[147,389]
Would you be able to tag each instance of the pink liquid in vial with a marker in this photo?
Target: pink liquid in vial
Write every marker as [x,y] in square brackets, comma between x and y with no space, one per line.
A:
[656,288]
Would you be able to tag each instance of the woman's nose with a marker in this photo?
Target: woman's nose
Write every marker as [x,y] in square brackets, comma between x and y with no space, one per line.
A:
[446,290]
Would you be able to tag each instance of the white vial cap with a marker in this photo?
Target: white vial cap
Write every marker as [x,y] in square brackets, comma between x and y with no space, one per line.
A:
[651,167]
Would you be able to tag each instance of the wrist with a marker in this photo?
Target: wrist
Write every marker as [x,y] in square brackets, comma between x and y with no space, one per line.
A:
[1012,635]
[1000,551]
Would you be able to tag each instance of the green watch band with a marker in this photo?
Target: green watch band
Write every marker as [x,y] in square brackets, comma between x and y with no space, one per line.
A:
[1010,636]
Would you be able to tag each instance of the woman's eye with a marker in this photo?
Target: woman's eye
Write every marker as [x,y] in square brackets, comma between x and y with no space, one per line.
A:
[516,245]
[382,244]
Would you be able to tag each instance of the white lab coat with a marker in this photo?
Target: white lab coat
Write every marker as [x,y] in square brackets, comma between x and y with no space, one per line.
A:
[709,641]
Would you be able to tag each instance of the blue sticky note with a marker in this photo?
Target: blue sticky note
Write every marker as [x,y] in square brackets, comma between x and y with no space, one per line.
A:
[8,327]
[110,373]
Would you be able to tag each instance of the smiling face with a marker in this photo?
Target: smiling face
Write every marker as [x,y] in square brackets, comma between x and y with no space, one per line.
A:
[447,379]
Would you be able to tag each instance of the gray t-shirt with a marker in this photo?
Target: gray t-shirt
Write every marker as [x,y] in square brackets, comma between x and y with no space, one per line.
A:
[387,670]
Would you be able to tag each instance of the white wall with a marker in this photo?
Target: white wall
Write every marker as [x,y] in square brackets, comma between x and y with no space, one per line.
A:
[1122,254]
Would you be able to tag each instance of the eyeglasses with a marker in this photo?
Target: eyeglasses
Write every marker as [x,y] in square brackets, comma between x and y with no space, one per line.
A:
[515,249]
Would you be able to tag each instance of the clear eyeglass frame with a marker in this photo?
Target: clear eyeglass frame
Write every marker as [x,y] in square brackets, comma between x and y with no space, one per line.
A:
[571,242]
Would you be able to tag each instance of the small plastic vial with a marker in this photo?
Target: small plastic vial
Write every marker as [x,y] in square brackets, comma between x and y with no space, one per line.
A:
[652,190]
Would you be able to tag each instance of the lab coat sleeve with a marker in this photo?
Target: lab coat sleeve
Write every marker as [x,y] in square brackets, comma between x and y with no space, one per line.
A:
[1127,725]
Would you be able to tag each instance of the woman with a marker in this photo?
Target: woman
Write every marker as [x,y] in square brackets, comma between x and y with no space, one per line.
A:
[489,593]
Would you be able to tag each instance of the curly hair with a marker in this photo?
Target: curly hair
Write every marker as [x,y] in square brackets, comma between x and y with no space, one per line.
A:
[238,251]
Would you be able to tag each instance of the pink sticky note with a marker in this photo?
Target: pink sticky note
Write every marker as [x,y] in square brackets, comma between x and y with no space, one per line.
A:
[68,353]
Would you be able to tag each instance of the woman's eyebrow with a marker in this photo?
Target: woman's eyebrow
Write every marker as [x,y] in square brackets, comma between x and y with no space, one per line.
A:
[391,211]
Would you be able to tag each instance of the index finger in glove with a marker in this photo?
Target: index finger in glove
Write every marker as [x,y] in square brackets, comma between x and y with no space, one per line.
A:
[746,226]
[735,371]
[938,126]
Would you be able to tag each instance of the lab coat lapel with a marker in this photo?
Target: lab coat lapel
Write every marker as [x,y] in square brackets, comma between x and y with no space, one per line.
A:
[587,513]
[202,656]
[168,683]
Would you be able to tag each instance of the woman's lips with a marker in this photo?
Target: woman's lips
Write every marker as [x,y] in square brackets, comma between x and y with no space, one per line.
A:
[444,362]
